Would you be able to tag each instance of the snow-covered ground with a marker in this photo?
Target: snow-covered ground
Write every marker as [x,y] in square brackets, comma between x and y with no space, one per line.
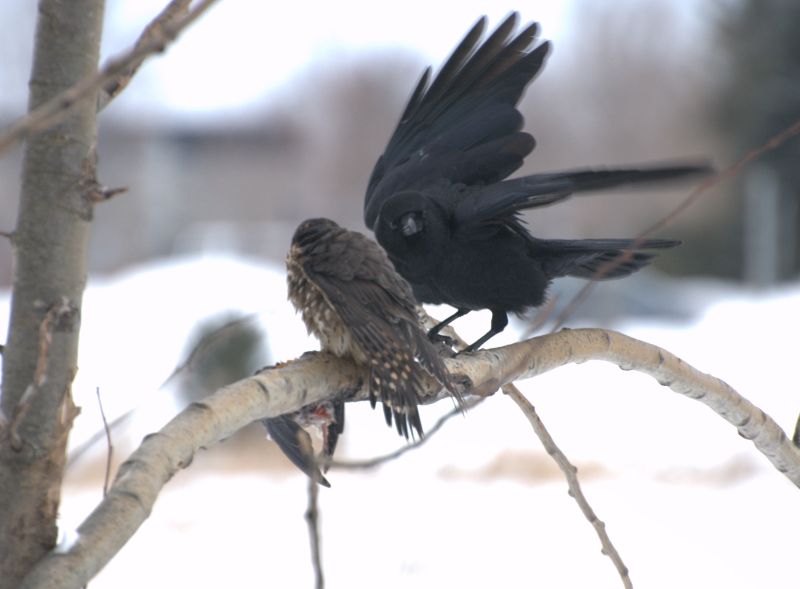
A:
[687,502]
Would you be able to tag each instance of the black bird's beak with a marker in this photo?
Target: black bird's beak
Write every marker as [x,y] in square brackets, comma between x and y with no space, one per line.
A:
[409,226]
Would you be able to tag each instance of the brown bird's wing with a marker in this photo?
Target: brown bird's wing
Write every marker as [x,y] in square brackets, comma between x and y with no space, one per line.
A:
[377,308]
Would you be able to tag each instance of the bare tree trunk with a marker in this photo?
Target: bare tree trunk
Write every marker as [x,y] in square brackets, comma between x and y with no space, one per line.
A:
[50,245]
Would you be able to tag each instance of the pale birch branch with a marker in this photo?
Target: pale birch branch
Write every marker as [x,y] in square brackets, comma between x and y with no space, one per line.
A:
[316,377]
[571,475]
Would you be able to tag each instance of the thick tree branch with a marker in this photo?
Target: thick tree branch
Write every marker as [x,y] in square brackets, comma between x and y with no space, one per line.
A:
[316,377]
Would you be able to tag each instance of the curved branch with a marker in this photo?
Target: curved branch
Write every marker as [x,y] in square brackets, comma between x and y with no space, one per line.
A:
[316,377]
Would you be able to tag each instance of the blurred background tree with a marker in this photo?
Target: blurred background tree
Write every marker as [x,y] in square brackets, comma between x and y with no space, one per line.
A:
[626,82]
[758,93]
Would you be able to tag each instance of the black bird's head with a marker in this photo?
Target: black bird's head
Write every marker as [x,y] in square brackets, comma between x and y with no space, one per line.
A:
[412,229]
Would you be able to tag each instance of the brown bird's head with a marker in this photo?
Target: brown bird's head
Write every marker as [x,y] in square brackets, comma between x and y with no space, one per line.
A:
[311,231]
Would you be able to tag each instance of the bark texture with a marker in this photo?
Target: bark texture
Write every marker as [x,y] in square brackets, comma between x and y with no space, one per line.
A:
[317,377]
[50,244]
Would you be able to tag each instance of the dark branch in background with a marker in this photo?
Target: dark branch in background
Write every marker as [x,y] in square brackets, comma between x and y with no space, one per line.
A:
[378,460]
[112,77]
[571,474]
[109,447]
[772,143]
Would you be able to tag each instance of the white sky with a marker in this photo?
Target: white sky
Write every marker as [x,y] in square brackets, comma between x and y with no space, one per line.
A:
[243,49]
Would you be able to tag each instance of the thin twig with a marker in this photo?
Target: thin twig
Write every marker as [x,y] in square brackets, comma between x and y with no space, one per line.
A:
[109,445]
[312,519]
[77,452]
[542,316]
[378,460]
[59,107]
[772,143]
[571,474]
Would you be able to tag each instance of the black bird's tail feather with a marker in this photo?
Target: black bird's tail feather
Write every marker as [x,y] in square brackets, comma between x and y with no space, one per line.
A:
[584,258]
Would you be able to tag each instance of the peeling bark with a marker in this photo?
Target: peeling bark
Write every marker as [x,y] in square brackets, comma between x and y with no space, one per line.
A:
[50,244]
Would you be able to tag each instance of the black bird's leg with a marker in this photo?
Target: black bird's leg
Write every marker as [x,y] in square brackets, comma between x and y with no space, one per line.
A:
[499,322]
[433,333]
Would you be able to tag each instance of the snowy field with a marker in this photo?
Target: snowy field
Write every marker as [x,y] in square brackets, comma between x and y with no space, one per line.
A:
[687,502]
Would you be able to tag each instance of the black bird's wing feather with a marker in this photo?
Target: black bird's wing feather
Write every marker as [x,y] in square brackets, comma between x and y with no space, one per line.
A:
[440,201]
[488,204]
[582,258]
[464,128]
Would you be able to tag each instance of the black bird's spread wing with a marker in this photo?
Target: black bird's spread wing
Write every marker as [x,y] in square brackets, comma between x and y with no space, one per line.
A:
[440,201]
[464,128]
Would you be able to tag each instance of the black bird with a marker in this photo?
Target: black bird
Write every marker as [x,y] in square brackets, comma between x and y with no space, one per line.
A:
[354,301]
[439,202]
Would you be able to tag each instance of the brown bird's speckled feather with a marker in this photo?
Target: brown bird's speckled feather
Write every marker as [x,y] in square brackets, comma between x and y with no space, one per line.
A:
[354,301]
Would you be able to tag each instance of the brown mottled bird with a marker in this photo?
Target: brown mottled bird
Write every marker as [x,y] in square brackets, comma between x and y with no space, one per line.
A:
[354,301]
